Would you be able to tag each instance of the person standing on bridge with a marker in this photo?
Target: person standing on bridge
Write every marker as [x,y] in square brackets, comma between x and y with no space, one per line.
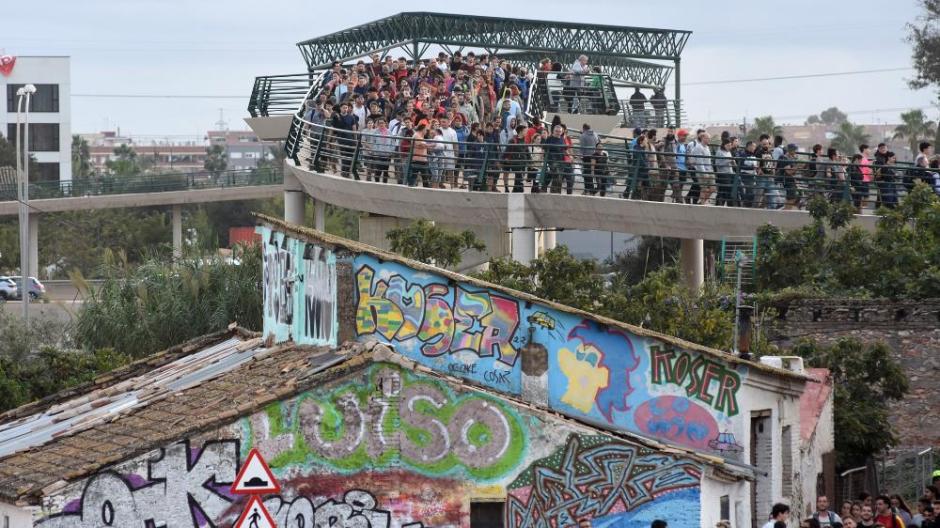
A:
[589,141]
[638,105]
[704,172]
[554,151]
[577,75]
[346,125]
[659,103]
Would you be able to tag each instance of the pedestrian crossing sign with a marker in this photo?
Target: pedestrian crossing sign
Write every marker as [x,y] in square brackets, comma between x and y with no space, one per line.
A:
[255,515]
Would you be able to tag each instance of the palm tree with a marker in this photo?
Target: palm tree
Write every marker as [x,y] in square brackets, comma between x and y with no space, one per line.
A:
[915,128]
[763,125]
[849,137]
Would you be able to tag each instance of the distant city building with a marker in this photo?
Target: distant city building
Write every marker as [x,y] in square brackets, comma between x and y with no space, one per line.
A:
[243,150]
[50,133]
[243,147]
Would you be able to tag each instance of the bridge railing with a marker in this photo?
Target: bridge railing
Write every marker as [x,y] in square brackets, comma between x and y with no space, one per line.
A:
[615,170]
[147,183]
[565,92]
[667,113]
[281,94]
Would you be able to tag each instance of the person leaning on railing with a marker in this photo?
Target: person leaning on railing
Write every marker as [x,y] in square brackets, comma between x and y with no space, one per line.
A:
[704,172]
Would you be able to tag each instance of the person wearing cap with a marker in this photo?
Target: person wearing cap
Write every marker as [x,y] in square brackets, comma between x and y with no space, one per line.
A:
[681,150]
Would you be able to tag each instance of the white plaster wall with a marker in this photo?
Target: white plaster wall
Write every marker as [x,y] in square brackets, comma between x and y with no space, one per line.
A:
[781,398]
[44,70]
[738,493]
[822,442]
[18,517]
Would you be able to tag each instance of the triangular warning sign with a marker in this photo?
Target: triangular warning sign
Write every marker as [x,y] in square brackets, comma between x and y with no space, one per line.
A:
[255,477]
[255,516]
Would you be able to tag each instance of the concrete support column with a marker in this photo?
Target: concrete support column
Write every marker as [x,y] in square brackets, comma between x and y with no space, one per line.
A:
[294,207]
[319,215]
[548,239]
[33,245]
[522,226]
[177,232]
[692,263]
[523,244]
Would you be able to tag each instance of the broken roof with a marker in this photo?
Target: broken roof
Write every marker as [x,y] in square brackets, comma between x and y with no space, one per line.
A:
[334,242]
[192,389]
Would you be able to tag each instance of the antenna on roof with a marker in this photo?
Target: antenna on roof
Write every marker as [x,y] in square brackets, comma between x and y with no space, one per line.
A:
[222,125]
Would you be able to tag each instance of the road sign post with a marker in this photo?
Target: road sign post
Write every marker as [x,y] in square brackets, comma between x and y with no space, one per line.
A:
[256,479]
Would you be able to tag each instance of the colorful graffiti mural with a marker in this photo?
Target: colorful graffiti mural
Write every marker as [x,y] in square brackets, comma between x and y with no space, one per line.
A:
[698,375]
[597,372]
[453,328]
[183,486]
[299,290]
[390,417]
[618,379]
[606,482]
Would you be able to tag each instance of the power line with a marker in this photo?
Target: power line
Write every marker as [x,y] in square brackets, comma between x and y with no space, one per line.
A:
[803,76]
[160,96]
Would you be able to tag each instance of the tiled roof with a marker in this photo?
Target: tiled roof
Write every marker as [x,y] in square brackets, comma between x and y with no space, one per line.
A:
[231,376]
[813,401]
[190,389]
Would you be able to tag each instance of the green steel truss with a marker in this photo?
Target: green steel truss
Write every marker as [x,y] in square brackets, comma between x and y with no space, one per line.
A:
[606,45]
[621,69]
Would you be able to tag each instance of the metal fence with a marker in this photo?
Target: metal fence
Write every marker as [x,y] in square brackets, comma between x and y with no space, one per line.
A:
[906,472]
[147,183]
[615,168]
[281,94]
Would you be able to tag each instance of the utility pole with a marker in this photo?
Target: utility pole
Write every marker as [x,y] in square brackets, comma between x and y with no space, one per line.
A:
[24,95]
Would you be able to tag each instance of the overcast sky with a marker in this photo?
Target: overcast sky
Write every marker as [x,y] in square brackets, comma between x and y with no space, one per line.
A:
[215,47]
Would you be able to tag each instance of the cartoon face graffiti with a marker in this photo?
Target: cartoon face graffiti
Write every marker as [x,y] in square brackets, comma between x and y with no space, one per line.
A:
[598,369]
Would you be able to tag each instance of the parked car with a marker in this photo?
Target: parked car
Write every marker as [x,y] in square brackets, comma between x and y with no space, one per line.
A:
[36,288]
[8,289]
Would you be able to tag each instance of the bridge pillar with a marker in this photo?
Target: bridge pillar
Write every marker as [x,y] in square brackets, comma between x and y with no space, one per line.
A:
[33,228]
[319,215]
[522,226]
[692,263]
[177,232]
[294,207]
[548,240]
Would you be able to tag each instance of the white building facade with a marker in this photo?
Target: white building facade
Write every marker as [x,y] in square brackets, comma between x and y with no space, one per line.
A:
[50,131]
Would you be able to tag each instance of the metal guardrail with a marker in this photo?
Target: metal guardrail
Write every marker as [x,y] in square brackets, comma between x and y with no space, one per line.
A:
[148,183]
[616,169]
[565,92]
[652,114]
[280,94]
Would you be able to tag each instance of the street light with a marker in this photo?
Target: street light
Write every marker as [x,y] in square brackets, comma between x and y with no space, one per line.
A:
[24,95]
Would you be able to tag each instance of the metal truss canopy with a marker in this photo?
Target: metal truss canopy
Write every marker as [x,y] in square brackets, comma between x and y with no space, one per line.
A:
[497,34]
[629,71]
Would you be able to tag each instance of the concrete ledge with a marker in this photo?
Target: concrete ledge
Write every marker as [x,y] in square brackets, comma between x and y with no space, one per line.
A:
[271,128]
[113,201]
[551,210]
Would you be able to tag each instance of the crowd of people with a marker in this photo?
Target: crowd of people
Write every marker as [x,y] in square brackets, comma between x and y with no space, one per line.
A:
[867,511]
[460,122]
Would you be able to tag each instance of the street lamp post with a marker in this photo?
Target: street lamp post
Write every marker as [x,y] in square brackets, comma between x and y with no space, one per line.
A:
[24,95]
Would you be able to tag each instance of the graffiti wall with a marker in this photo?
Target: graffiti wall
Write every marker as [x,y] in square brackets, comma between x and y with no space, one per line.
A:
[453,328]
[390,448]
[608,483]
[299,290]
[603,374]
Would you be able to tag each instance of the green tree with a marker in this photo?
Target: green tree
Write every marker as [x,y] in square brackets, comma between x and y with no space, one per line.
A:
[216,159]
[159,304]
[901,259]
[651,254]
[848,137]
[81,159]
[915,127]
[924,36]
[659,301]
[763,125]
[426,242]
[866,380]
[125,161]
[831,116]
